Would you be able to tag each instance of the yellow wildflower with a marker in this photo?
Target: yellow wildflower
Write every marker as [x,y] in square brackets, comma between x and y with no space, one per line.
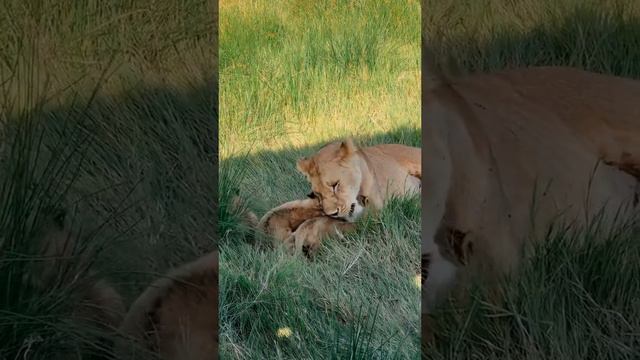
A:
[283,332]
[417,281]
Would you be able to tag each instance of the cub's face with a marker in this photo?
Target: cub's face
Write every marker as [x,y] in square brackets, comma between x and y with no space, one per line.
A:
[335,180]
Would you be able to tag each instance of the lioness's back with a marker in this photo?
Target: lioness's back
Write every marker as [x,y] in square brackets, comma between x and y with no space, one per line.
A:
[601,110]
[575,93]
[407,156]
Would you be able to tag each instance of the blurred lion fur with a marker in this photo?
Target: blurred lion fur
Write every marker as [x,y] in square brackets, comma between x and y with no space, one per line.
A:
[176,317]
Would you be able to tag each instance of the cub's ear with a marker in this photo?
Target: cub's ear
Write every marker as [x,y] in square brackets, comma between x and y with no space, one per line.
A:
[347,147]
[363,200]
[303,165]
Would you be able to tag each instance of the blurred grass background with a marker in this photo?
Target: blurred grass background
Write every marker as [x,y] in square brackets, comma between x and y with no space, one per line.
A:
[106,110]
[573,299]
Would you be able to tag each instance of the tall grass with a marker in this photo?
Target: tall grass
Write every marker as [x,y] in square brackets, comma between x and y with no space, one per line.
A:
[293,76]
[595,35]
[105,111]
[577,294]
[294,72]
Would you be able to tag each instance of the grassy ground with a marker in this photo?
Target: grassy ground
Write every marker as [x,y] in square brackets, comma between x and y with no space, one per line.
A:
[572,300]
[293,76]
[105,110]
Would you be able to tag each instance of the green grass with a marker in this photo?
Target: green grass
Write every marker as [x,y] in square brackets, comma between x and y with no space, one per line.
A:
[293,76]
[577,297]
[105,110]
[600,36]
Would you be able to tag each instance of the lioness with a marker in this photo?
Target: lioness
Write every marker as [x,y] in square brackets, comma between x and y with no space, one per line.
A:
[340,172]
[507,153]
[176,317]
[344,181]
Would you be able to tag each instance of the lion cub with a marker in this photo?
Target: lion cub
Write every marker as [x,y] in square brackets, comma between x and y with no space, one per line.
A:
[300,225]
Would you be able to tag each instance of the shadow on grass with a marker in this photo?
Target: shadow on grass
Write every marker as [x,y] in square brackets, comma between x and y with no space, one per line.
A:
[574,297]
[136,173]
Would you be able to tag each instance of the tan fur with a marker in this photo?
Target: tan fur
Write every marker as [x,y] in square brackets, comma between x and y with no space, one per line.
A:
[376,173]
[491,139]
[299,225]
[346,179]
[176,317]
[308,236]
[364,176]
[280,222]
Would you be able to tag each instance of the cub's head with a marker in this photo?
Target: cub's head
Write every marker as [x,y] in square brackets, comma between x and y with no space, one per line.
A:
[335,179]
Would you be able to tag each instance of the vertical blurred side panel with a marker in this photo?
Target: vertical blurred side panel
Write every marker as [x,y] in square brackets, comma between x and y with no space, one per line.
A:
[108,179]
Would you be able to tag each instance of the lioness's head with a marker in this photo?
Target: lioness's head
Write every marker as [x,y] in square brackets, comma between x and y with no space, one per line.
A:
[335,179]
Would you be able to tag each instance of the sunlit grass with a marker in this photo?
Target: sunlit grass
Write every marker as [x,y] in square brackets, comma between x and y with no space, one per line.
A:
[291,73]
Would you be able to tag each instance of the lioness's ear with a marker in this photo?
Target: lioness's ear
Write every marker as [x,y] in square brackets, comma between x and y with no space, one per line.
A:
[303,165]
[347,148]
